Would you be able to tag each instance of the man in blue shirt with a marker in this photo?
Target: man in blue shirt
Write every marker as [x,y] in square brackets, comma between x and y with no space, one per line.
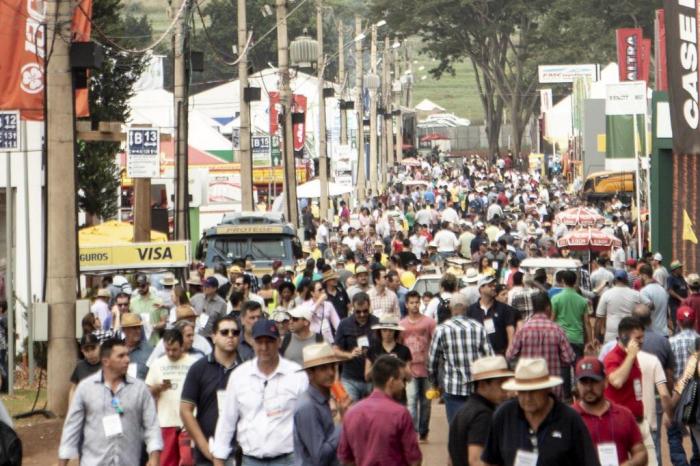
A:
[315,435]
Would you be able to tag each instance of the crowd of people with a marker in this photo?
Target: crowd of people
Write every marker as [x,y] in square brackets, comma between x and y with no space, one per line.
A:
[340,359]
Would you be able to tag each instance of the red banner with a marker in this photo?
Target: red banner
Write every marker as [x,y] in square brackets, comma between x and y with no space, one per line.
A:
[299,124]
[274,112]
[645,64]
[22,59]
[660,51]
[629,53]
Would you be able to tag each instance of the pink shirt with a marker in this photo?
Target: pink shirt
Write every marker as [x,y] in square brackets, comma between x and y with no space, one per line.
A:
[378,431]
[417,337]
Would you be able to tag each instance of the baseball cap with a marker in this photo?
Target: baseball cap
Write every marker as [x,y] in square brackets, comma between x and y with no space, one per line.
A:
[486,280]
[360,269]
[693,280]
[658,257]
[211,282]
[675,265]
[265,328]
[685,314]
[590,367]
[301,312]
[631,262]
[620,275]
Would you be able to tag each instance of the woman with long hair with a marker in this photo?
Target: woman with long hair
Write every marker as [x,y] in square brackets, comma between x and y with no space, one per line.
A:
[324,317]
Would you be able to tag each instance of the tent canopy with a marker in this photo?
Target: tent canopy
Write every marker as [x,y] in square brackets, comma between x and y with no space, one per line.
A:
[312,189]
[113,232]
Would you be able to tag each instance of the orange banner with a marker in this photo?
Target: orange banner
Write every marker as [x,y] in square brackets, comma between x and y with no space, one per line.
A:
[22,60]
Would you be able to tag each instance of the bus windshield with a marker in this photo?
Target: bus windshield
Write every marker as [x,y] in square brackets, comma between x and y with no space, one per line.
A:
[226,248]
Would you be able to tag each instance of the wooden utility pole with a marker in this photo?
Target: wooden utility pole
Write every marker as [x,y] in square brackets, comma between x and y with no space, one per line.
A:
[361,175]
[245,157]
[322,149]
[142,210]
[287,146]
[373,159]
[397,106]
[388,118]
[181,95]
[341,81]
[61,250]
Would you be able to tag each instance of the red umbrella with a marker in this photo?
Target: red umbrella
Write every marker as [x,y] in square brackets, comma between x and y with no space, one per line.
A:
[588,240]
[433,137]
[579,216]
[410,162]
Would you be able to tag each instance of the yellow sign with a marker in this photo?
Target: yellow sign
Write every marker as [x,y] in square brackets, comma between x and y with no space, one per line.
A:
[601,142]
[247,230]
[688,233]
[275,175]
[135,256]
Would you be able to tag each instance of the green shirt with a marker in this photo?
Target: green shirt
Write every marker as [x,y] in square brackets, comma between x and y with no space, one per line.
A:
[568,311]
[148,305]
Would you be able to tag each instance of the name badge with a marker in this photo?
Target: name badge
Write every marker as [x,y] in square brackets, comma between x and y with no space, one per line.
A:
[220,398]
[637,384]
[489,326]
[525,458]
[132,371]
[607,454]
[112,425]
[363,341]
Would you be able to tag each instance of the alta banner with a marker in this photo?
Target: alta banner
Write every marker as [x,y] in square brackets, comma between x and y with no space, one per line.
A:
[629,53]
[22,60]
[682,59]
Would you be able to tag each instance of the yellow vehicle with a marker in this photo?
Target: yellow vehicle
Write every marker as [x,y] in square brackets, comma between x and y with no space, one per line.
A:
[608,184]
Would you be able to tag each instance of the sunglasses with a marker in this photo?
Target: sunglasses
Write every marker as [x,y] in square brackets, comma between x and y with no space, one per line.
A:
[123,304]
[361,311]
[229,332]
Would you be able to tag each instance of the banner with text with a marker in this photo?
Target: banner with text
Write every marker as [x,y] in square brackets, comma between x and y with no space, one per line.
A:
[629,53]
[625,111]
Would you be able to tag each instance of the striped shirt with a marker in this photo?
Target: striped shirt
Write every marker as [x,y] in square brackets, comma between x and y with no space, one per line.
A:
[456,344]
[682,346]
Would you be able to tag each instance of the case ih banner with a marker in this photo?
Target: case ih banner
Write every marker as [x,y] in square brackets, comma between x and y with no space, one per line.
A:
[24,49]
[629,54]
[682,59]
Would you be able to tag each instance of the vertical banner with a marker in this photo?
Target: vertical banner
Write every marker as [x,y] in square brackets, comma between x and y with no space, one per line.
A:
[274,112]
[625,102]
[645,63]
[299,124]
[629,43]
[545,100]
[683,76]
[660,66]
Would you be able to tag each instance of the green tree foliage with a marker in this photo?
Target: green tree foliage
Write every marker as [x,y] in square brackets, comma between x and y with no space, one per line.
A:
[110,88]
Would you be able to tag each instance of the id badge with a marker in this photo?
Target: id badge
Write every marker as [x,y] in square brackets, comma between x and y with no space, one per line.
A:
[112,425]
[637,384]
[363,341]
[489,326]
[607,454]
[274,407]
[525,458]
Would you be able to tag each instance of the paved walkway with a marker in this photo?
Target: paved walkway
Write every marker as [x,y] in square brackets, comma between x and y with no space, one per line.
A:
[435,449]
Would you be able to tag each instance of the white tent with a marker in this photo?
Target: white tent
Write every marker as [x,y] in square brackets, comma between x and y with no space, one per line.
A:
[312,189]
[427,105]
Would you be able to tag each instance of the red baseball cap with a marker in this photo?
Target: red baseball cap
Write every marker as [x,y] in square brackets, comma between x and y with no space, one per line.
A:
[685,314]
[632,262]
[590,367]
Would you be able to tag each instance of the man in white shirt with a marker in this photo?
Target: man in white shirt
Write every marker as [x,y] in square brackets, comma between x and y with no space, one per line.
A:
[450,215]
[660,273]
[446,240]
[418,242]
[352,241]
[322,235]
[494,210]
[465,241]
[100,308]
[258,405]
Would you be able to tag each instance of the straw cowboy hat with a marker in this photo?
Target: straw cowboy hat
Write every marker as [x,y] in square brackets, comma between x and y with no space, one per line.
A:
[388,322]
[131,320]
[472,276]
[329,275]
[490,367]
[531,374]
[103,293]
[168,279]
[319,354]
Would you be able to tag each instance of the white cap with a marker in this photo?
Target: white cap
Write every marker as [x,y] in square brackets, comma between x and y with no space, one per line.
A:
[301,312]
[658,257]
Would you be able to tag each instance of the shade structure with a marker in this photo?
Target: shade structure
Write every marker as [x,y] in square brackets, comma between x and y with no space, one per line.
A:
[312,189]
[589,239]
[415,183]
[113,232]
[579,216]
[410,162]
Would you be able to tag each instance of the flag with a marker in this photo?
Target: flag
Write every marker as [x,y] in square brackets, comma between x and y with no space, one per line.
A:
[625,102]
[24,49]
[645,63]
[660,51]
[688,233]
[629,53]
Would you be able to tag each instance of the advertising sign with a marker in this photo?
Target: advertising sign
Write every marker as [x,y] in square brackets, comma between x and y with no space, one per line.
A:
[9,131]
[567,73]
[261,151]
[135,256]
[143,153]
[629,53]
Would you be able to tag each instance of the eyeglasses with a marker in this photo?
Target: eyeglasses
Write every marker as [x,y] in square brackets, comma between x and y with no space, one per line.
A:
[229,332]
[116,404]
[123,304]
[361,311]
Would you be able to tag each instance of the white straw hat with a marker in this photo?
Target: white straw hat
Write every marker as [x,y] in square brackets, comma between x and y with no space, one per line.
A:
[531,374]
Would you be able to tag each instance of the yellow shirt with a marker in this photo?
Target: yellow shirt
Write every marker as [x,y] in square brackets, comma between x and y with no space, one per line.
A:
[316,254]
[408,279]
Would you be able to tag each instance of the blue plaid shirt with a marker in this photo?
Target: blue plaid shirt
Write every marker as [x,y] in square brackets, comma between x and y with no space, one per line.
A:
[682,345]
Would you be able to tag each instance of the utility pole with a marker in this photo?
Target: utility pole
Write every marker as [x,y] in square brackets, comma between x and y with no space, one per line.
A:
[341,81]
[180,94]
[397,106]
[373,160]
[388,118]
[322,149]
[361,176]
[287,146]
[61,248]
[245,157]
[409,66]
[142,210]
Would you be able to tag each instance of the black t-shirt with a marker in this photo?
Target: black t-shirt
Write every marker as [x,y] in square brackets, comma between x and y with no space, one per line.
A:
[562,438]
[346,339]
[340,301]
[84,369]
[400,351]
[470,426]
[502,316]
[204,379]
[407,256]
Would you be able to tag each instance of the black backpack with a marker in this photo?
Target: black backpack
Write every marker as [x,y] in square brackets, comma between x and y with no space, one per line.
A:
[10,446]
[443,309]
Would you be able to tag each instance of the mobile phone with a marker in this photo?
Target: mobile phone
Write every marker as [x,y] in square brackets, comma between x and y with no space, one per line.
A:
[625,340]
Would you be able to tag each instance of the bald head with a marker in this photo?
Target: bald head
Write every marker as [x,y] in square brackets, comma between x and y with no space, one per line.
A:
[643,313]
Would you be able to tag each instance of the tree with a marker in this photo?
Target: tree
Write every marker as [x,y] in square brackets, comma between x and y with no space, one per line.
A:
[111,86]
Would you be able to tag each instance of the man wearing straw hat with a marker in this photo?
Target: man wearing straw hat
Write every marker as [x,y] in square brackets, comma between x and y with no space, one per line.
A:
[470,427]
[315,435]
[535,428]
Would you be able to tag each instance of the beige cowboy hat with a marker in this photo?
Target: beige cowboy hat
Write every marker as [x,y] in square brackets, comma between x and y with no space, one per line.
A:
[329,275]
[388,322]
[184,311]
[472,276]
[490,367]
[319,354]
[104,293]
[168,279]
[531,374]
[129,319]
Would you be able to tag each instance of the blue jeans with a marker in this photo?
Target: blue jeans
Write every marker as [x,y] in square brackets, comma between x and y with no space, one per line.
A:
[675,445]
[287,460]
[418,404]
[357,389]
[656,434]
[452,404]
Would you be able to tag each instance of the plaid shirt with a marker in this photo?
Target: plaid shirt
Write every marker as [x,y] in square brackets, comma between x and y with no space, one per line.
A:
[385,303]
[542,338]
[521,298]
[456,344]
[682,345]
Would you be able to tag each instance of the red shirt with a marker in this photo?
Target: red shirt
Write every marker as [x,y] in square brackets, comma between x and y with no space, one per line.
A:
[378,431]
[630,394]
[693,300]
[616,425]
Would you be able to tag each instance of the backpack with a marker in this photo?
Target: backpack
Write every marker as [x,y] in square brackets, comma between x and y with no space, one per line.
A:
[443,310]
[285,343]
[10,446]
